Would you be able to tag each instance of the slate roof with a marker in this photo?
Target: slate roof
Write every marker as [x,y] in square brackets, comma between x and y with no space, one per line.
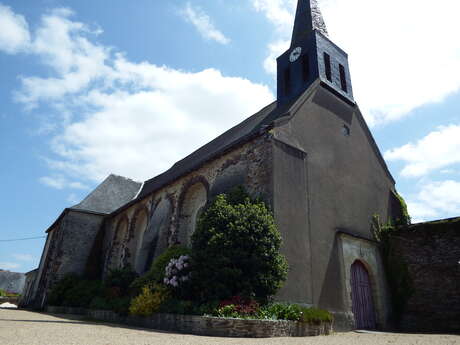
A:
[250,127]
[308,17]
[111,194]
[253,126]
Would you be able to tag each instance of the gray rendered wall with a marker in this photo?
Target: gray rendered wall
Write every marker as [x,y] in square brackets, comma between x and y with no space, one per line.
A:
[80,231]
[68,247]
[290,206]
[346,186]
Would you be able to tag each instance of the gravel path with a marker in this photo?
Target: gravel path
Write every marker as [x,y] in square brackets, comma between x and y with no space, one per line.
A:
[18,327]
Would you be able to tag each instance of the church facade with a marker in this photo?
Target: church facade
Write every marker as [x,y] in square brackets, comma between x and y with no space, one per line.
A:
[309,155]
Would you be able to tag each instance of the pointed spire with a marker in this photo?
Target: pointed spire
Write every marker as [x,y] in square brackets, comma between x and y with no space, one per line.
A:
[308,17]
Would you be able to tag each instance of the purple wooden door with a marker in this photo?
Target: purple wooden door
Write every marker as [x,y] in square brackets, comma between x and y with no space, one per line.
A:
[361,295]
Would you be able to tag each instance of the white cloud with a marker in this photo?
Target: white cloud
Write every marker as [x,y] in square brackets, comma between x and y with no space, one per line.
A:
[439,149]
[63,46]
[9,265]
[14,31]
[24,257]
[116,116]
[73,198]
[396,65]
[61,182]
[275,49]
[202,22]
[279,12]
[440,199]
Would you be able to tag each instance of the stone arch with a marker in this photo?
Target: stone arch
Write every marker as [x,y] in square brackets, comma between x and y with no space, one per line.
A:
[355,248]
[138,227]
[362,295]
[155,239]
[119,237]
[193,199]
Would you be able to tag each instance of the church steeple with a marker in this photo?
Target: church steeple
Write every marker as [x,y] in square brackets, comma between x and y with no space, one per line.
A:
[308,17]
[312,56]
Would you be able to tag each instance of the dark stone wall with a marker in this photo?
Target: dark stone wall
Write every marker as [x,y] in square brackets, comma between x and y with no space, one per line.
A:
[175,206]
[70,245]
[206,325]
[431,252]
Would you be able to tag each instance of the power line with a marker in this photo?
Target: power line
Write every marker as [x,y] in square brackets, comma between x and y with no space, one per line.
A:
[23,239]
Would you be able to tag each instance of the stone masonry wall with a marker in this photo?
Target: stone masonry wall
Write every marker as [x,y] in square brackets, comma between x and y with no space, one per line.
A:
[431,252]
[206,325]
[248,165]
[72,241]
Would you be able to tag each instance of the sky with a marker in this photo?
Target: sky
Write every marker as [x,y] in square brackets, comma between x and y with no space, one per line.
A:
[94,87]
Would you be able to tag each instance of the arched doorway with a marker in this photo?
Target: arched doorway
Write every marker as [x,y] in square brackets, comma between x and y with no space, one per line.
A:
[361,296]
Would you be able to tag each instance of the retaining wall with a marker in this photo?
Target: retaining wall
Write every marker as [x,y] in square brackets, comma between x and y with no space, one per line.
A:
[205,325]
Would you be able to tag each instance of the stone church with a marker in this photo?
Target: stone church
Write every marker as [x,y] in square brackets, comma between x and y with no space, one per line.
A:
[309,155]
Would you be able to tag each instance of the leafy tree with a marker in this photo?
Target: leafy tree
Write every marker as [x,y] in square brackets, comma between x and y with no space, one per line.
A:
[235,250]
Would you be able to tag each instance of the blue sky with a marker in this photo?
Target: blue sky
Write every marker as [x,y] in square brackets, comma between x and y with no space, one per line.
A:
[90,88]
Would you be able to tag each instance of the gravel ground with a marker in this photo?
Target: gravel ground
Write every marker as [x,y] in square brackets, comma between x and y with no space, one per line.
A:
[19,327]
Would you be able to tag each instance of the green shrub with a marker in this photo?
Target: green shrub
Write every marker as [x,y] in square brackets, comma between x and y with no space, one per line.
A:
[405,217]
[178,306]
[156,273]
[2,293]
[294,312]
[119,305]
[235,251]
[119,280]
[237,307]
[60,289]
[149,301]
[82,293]
[100,303]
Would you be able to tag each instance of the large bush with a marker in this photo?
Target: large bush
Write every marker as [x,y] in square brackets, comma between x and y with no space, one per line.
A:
[60,289]
[235,250]
[149,301]
[156,274]
[118,281]
[110,294]
[82,293]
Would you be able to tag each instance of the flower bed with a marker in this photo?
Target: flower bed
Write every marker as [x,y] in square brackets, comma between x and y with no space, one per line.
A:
[207,325]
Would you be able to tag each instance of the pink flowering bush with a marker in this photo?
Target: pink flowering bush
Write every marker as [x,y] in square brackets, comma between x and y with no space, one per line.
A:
[177,272]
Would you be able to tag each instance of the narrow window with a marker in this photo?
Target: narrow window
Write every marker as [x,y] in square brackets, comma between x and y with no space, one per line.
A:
[305,67]
[346,130]
[343,78]
[327,66]
[287,81]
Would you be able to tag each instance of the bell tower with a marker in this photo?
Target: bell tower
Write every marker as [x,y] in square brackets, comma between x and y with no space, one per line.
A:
[311,56]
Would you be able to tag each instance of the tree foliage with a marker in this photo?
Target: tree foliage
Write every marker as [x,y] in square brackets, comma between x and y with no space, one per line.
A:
[235,250]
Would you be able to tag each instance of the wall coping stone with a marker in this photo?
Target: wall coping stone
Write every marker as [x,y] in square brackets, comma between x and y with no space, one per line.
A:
[206,325]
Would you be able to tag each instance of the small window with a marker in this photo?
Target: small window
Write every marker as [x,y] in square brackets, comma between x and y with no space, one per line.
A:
[327,66]
[305,68]
[287,81]
[343,78]
[346,130]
